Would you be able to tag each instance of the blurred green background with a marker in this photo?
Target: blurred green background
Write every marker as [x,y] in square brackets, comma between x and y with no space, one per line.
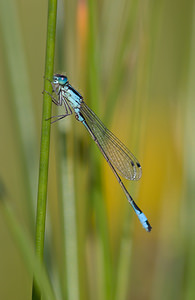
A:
[134,63]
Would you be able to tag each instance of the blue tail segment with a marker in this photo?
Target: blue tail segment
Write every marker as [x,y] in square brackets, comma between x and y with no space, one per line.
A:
[141,216]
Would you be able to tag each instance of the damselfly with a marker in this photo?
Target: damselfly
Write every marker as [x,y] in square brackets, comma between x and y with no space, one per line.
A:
[116,154]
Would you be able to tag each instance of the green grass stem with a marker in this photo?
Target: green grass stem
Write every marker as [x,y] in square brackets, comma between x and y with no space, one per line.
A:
[45,136]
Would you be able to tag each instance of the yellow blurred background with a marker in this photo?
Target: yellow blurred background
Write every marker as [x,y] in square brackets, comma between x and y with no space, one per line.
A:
[134,64]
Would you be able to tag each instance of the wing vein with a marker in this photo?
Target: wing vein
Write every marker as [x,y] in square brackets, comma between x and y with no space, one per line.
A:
[120,156]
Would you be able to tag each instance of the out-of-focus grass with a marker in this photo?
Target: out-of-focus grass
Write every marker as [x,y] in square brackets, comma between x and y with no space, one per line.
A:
[133,63]
[17,86]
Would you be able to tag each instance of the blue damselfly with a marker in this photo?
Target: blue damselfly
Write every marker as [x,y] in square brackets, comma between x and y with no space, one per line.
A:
[116,154]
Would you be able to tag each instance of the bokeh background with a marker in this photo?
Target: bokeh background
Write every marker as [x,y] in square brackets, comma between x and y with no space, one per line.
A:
[134,63]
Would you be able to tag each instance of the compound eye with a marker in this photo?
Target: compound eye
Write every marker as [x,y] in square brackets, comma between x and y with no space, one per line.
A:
[63,80]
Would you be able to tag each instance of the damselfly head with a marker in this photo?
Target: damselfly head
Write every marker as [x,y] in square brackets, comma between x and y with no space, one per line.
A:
[59,79]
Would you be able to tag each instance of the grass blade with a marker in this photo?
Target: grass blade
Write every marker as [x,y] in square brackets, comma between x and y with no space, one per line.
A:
[45,137]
